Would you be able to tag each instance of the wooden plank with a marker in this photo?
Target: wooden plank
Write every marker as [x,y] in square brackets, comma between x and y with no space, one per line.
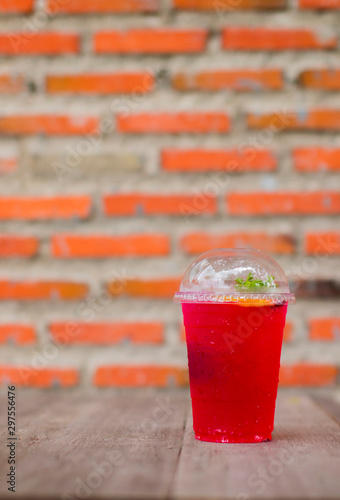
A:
[301,462]
[65,436]
[331,406]
[110,444]
[30,406]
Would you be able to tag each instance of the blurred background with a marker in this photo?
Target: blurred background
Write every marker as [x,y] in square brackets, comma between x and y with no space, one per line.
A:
[137,134]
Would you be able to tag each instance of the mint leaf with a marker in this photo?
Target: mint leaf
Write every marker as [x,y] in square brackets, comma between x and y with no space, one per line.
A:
[251,284]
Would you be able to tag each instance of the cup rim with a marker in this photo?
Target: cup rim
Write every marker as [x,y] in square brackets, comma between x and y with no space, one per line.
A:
[234,298]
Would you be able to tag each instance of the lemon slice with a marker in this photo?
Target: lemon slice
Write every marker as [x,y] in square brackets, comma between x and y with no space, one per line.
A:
[248,302]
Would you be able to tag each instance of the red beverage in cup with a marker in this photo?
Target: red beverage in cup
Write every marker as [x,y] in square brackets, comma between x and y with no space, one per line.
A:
[234,341]
[234,360]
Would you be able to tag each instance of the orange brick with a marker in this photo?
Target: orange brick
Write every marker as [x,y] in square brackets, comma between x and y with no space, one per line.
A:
[222,5]
[153,204]
[173,123]
[239,80]
[324,329]
[287,332]
[118,83]
[284,203]
[137,245]
[150,41]
[316,159]
[11,84]
[141,376]
[199,242]
[274,39]
[154,288]
[232,160]
[15,6]
[319,4]
[8,165]
[17,333]
[182,333]
[318,119]
[22,43]
[322,243]
[18,246]
[57,207]
[308,374]
[48,125]
[42,377]
[324,79]
[107,333]
[42,290]
[104,6]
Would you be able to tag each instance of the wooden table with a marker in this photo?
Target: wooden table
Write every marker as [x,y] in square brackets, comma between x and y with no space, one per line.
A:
[139,444]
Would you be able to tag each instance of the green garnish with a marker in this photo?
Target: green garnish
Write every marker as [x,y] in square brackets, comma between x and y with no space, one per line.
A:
[251,284]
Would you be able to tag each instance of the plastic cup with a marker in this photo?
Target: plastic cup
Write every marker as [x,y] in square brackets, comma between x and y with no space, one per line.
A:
[234,340]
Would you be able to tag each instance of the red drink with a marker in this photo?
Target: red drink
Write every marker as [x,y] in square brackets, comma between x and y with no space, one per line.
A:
[234,304]
[234,360]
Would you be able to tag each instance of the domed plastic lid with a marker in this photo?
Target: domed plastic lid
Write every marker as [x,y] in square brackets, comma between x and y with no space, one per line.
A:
[235,275]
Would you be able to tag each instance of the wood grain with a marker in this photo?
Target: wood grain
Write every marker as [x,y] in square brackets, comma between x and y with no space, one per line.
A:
[332,407]
[139,444]
[63,446]
[301,462]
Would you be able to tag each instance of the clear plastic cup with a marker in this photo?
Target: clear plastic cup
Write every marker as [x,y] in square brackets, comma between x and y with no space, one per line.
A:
[234,304]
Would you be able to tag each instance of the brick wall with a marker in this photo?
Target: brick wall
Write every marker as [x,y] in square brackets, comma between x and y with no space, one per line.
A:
[137,134]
